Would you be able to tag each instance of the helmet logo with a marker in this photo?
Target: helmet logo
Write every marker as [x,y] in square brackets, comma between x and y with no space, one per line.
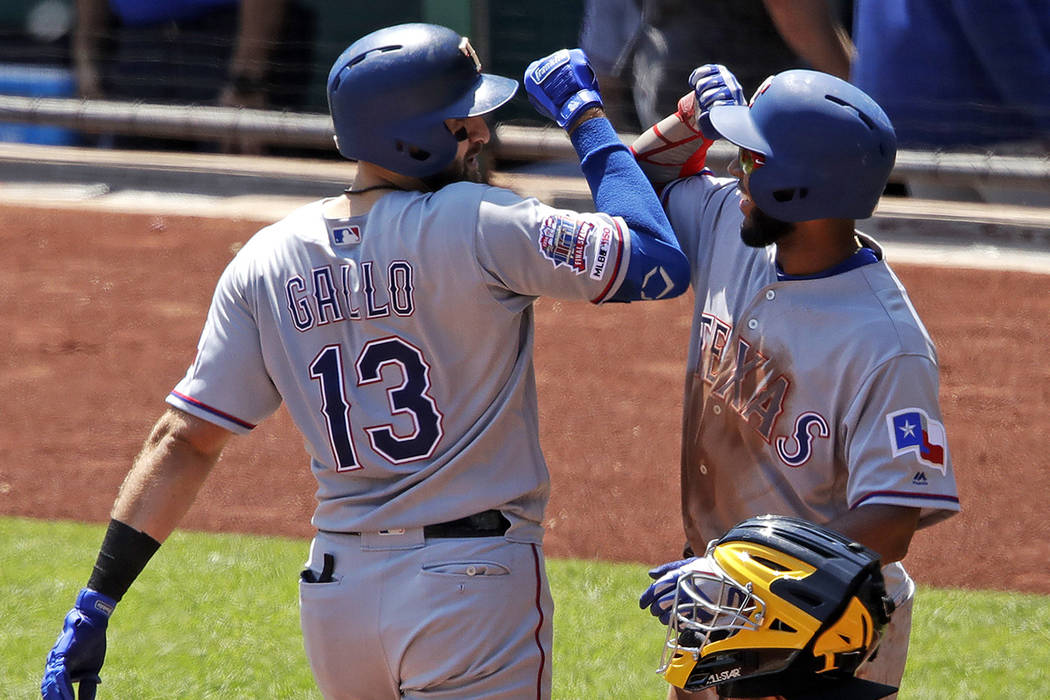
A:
[467,50]
[761,88]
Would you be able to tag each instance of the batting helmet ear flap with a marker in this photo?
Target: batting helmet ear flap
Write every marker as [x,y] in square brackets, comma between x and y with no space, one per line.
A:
[428,143]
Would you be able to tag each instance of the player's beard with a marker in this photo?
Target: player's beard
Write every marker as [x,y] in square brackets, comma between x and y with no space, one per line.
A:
[759,229]
[467,169]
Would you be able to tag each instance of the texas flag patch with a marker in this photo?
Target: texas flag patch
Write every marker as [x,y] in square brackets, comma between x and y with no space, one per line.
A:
[911,430]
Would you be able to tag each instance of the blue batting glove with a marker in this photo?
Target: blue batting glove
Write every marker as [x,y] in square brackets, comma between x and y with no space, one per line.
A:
[562,85]
[714,85]
[659,597]
[80,650]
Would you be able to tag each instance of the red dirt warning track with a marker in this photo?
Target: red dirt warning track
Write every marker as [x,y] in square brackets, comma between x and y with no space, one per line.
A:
[102,313]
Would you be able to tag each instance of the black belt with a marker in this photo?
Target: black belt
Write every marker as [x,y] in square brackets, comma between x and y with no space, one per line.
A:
[489,523]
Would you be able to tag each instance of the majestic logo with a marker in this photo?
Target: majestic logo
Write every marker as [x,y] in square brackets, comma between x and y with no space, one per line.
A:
[920,479]
[911,430]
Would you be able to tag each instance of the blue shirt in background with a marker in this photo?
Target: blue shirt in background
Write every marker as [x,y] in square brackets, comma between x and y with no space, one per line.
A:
[956,72]
[135,12]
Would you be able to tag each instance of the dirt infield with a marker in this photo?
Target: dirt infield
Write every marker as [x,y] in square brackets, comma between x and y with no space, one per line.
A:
[103,312]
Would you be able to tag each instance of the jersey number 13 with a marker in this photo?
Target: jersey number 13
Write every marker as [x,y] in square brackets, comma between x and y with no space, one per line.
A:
[409,398]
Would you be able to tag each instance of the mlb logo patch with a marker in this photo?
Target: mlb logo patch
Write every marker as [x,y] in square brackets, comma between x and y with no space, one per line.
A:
[911,430]
[346,235]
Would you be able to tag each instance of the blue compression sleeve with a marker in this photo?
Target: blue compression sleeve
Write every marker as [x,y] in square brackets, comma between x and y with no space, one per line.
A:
[658,269]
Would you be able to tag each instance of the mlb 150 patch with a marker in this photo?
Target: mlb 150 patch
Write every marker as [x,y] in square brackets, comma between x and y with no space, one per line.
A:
[603,242]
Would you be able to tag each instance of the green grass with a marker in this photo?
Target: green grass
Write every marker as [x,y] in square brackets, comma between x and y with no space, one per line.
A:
[968,644]
[215,616]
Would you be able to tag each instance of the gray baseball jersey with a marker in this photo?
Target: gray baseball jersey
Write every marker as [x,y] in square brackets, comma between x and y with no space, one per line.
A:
[401,344]
[804,397]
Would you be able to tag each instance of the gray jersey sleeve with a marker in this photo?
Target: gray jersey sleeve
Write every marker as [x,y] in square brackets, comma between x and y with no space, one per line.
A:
[528,248]
[699,204]
[229,348]
[897,449]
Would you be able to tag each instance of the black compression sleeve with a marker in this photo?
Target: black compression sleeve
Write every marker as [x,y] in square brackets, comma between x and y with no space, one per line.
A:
[121,558]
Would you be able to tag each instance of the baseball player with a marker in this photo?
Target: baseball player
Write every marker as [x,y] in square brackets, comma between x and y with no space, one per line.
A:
[812,386]
[395,323]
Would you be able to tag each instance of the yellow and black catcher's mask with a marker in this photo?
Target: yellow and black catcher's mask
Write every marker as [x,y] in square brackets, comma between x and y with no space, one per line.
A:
[782,606]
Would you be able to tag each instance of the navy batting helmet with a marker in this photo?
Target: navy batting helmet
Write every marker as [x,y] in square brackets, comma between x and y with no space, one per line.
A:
[828,148]
[391,91]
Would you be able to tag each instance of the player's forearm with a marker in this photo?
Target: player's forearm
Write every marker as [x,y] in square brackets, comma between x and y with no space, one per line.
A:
[164,481]
[87,33]
[617,184]
[673,147]
[259,23]
[884,528]
[812,32]
[160,488]
[658,269]
[91,21]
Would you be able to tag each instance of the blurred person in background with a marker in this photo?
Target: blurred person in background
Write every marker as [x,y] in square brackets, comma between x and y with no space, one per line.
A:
[608,35]
[644,50]
[235,53]
[962,75]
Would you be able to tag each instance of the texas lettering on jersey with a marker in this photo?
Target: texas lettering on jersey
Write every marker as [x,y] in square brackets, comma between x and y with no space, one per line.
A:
[750,384]
[741,376]
[349,291]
